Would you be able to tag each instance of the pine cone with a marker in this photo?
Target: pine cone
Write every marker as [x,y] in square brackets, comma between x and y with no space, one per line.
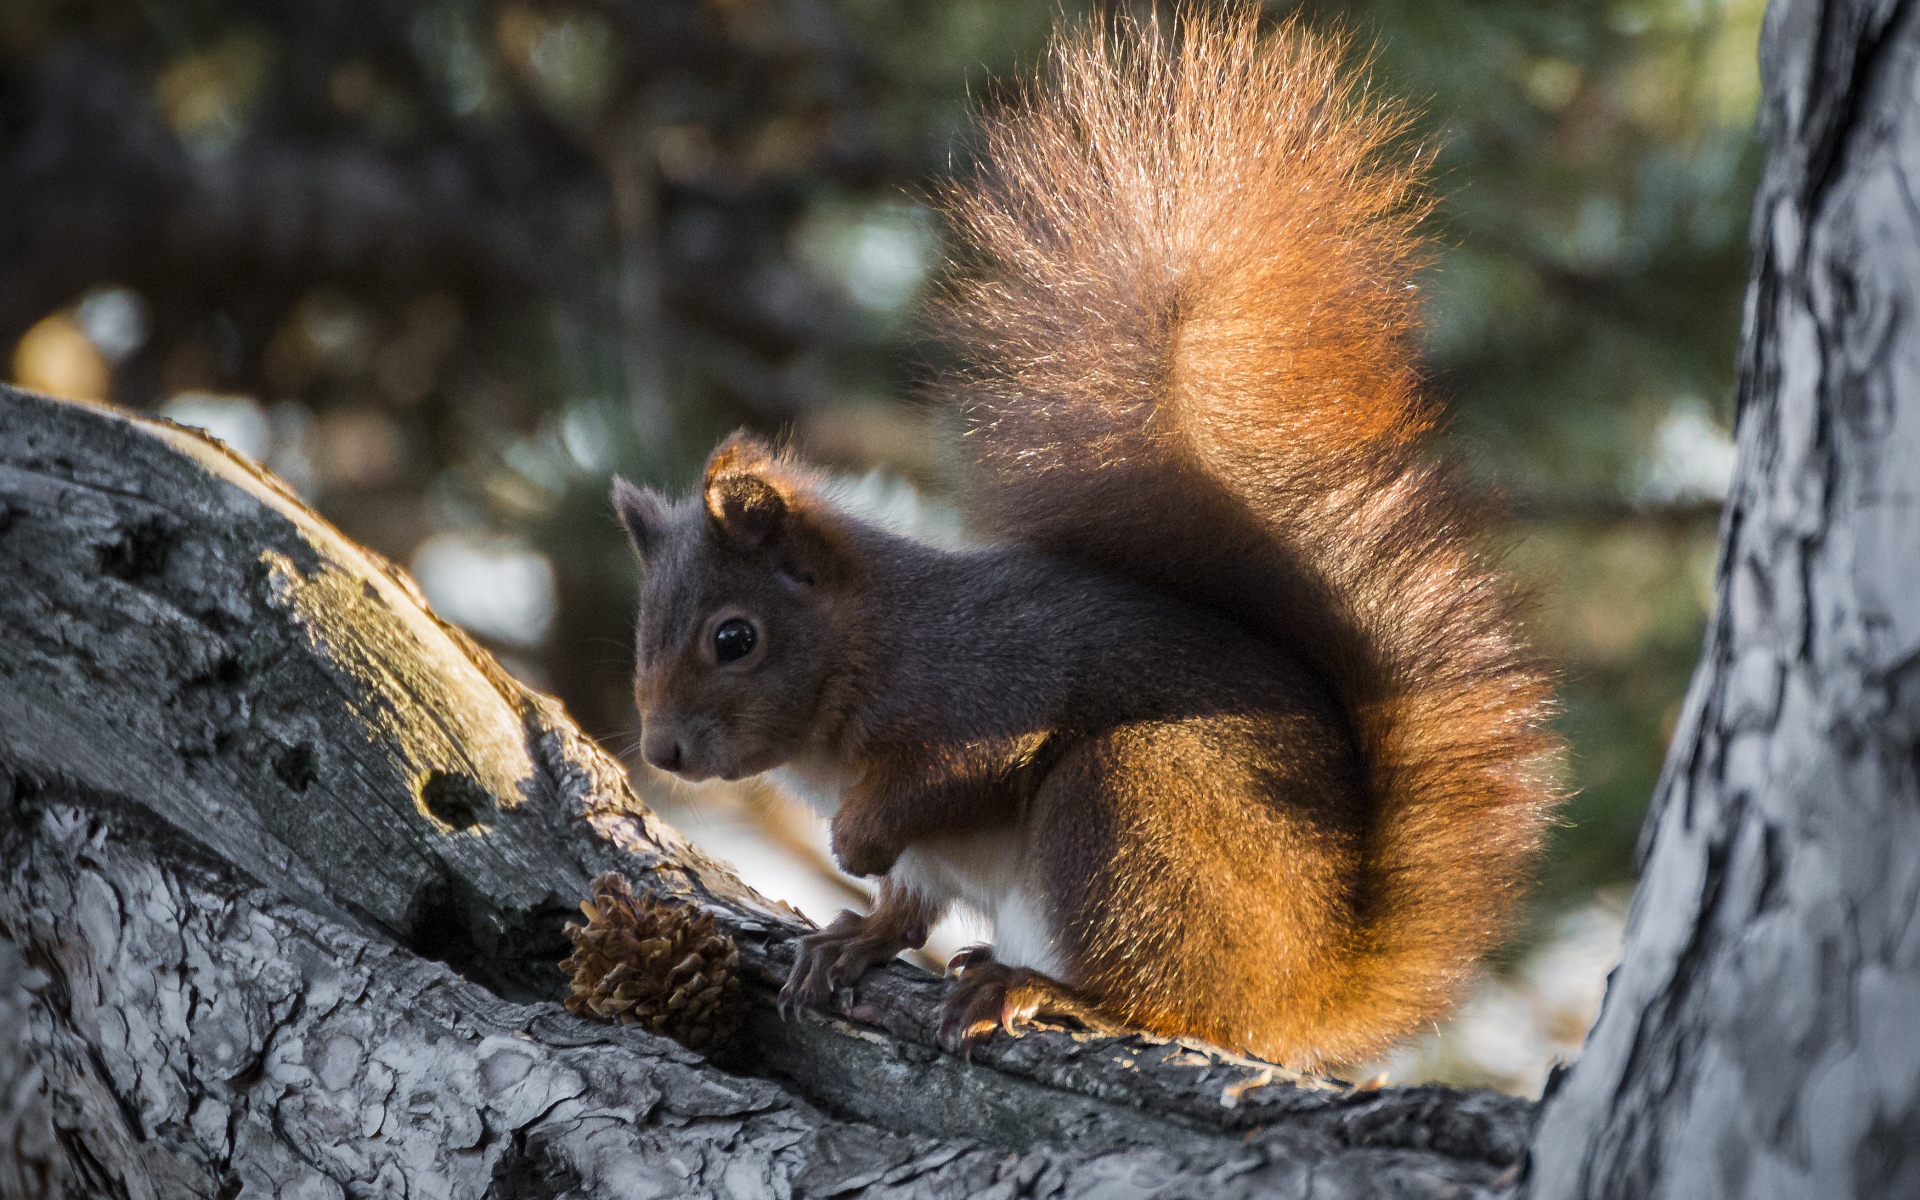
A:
[654,963]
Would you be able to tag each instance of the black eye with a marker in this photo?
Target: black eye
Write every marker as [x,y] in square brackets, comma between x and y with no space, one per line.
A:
[734,640]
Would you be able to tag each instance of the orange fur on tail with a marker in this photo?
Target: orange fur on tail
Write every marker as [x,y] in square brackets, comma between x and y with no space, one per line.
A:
[1187,324]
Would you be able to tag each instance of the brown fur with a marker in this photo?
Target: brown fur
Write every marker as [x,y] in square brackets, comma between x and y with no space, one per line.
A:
[1237,682]
[1195,314]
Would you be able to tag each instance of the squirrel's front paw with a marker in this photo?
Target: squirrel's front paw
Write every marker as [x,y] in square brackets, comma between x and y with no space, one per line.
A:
[862,851]
[831,961]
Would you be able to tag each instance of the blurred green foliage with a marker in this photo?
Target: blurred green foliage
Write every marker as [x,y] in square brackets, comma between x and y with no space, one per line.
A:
[467,257]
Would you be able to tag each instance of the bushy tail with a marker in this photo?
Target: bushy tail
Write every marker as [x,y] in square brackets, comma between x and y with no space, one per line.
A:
[1186,317]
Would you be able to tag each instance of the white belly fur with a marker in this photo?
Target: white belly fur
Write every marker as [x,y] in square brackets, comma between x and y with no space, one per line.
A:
[988,872]
[991,874]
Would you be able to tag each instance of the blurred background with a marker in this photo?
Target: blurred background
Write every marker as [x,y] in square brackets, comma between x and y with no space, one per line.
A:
[445,265]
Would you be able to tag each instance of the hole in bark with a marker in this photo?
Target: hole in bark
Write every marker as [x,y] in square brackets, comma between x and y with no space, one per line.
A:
[297,766]
[514,953]
[455,800]
[139,553]
[439,926]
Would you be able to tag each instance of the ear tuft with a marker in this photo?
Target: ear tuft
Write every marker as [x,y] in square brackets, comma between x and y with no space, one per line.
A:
[643,514]
[741,492]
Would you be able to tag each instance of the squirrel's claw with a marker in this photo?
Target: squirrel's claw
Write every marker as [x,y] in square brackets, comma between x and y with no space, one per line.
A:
[968,957]
[986,995]
[829,963]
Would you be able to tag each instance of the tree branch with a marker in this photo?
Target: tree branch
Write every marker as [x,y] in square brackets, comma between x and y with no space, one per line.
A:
[253,788]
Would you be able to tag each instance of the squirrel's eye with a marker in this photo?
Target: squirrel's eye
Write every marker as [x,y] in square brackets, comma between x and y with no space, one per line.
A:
[734,640]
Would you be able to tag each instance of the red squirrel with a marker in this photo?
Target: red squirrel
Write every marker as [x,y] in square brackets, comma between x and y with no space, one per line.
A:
[1226,725]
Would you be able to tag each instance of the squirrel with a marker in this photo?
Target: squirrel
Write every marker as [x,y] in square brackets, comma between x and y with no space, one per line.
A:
[1226,724]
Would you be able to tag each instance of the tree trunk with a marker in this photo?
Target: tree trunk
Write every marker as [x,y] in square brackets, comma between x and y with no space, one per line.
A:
[283,868]
[1762,1036]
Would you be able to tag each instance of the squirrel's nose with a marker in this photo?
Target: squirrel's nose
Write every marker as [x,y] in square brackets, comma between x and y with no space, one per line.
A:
[663,752]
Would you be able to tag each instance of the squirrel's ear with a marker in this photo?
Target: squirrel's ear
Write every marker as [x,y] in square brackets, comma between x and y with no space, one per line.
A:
[742,496]
[643,514]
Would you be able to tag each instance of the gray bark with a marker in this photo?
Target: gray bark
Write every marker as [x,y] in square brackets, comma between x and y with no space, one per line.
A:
[1762,1036]
[283,866]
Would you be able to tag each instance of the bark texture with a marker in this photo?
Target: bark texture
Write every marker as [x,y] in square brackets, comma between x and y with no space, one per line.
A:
[283,867]
[1762,1036]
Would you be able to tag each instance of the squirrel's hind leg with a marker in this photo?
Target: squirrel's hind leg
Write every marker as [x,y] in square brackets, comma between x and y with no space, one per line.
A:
[986,995]
[831,961]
